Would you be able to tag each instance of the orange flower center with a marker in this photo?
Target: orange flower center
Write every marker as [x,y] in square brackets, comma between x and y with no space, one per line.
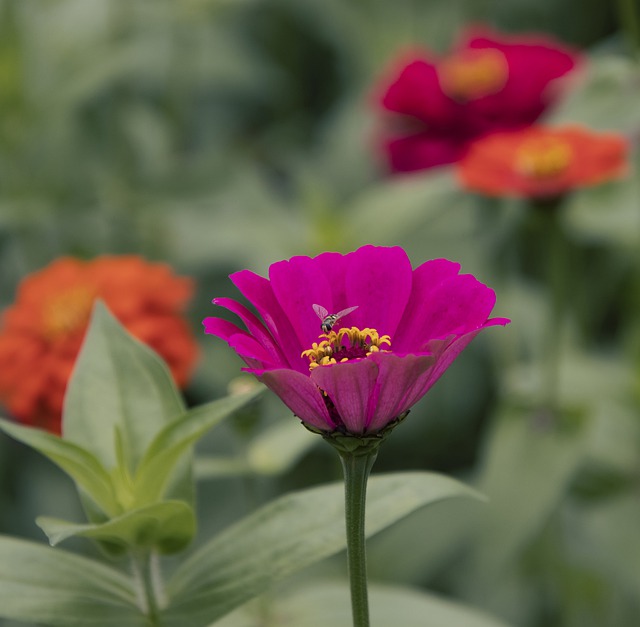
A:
[471,73]
[543,157]
[344,345]
[68,312]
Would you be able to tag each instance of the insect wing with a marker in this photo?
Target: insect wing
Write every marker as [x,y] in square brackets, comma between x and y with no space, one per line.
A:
[321,312]
[344,312]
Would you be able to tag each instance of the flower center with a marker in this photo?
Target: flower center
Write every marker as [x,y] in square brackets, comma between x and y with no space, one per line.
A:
[345,345]
[543,157]
[473,73]
[68,312]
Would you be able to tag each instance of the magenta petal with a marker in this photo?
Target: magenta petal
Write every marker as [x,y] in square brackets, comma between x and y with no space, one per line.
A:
[297,284]
[400,381]
[533,64]
[350,386]
[426,278]
[458,305]
[448,350]
[300,394]
[255,327]
[447,357]
[247,347]
[416,92]
[250,349]
[379,282]
[221,328]
[332,266]
[259,292]
[424,150]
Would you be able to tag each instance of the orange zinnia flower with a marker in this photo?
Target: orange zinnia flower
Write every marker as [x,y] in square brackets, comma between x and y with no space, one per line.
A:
[41,333]
[541,162]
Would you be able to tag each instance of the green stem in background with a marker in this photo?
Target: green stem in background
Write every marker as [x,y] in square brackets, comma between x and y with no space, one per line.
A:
[357,466]
[148,581]
[629,22]
[557,278]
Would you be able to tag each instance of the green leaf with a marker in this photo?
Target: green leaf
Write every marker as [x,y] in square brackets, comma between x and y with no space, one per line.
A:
[283,537]
[393,208]
[119,388]
[327,603]
[52,587]
[177,437]
[217,466]
[610,531]
[527,469]
[169,526]
[279,447]
[272,452]
[606,99]
[79,464]
[607,213]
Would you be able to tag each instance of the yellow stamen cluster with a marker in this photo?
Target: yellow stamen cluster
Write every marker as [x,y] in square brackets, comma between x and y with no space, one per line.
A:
[334,349]
[68,312]
[471,74]
[542,158]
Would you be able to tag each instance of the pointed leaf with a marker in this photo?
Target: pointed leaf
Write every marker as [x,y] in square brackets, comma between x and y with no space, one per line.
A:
[283,537]
[279,447]
[527,469]
[168,526]
[391,209]
[272,452]
[52,587]
[217,466]
[79,464]
[177,437]
[118,384]
[327,603]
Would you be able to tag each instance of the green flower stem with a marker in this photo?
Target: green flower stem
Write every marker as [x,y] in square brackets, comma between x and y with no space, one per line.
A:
[147,578]
[357,466]
[558,285]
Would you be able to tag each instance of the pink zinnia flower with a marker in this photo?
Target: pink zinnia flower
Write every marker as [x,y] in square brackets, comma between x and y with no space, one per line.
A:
[488,83]
[399,331]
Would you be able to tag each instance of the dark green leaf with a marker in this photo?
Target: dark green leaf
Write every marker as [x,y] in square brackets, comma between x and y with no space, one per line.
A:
[528,467]
[272,452]
[53,587]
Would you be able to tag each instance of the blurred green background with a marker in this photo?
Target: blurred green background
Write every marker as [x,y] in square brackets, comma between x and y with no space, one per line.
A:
[223,134]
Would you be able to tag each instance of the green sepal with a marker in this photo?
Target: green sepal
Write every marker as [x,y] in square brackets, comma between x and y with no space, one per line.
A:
[354,444]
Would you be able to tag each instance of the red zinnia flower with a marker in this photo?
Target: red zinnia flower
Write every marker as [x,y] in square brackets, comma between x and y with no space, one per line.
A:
[402,328]
[42,331]
[541,162]
[487,84]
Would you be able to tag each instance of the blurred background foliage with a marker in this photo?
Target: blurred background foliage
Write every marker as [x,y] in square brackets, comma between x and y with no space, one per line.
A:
[222,134]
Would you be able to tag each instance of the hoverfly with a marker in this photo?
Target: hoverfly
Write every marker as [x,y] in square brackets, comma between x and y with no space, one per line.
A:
[328,320]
